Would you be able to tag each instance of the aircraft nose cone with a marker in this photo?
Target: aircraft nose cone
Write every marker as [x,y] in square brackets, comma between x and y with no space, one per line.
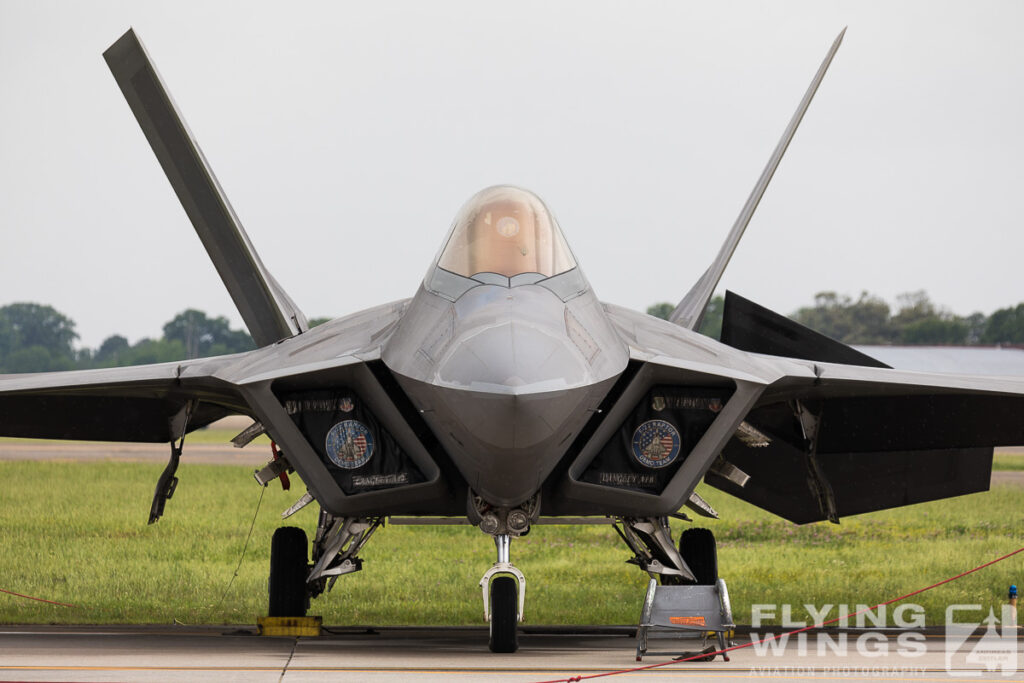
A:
[504,422]
[506,444]
[513,358]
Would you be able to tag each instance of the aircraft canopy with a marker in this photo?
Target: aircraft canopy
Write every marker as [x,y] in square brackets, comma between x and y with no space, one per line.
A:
[508,231]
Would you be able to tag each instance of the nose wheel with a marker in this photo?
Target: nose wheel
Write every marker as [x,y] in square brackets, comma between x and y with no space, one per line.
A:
[504,591]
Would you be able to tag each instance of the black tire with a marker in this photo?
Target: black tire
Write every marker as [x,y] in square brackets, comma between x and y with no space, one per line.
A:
[699,551]
[504,615]
[288,569]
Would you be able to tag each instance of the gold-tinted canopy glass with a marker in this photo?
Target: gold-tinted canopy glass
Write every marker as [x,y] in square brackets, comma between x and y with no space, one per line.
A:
[508,231]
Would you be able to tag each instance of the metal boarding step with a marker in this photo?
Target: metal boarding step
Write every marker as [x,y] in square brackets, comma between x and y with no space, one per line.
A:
[686,613]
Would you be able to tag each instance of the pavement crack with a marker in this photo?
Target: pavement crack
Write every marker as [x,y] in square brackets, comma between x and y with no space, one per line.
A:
[295,644]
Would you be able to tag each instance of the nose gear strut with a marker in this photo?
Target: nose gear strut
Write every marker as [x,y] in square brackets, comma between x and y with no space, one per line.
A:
[501,609]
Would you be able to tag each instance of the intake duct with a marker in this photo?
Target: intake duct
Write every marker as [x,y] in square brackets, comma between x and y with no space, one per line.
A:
[357,450]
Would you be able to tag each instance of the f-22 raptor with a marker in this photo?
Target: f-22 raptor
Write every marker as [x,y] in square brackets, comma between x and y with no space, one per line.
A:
[504,394]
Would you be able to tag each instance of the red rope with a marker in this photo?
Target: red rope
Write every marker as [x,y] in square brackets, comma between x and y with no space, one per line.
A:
[62,604]
[285,483]
[701,655]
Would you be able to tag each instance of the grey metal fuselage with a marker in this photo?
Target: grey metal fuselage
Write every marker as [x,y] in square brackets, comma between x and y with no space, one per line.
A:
[505,377]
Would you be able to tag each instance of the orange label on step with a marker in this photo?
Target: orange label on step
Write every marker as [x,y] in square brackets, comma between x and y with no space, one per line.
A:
[687,621]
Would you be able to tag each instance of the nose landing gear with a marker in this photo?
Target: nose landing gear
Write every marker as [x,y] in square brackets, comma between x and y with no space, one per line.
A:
[501,608]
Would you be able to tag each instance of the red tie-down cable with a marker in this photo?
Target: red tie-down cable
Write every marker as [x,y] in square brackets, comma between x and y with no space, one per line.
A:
[51,602]
[701,655]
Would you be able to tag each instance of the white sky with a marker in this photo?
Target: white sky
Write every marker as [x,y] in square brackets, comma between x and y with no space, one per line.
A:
[347,135]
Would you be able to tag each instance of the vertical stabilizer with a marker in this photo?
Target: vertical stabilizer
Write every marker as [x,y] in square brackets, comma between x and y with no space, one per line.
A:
[267,311]
[690,311]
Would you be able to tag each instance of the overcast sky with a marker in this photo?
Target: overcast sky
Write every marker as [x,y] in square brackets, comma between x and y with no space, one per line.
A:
[347,136]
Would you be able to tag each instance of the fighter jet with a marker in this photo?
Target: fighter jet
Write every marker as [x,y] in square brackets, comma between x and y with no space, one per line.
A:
[505,394]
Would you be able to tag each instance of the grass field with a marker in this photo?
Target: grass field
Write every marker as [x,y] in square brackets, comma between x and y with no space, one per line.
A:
[1008,462]
[77,533]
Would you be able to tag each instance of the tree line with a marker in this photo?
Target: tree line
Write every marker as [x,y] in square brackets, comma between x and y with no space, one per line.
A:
[38,338]
[915,321]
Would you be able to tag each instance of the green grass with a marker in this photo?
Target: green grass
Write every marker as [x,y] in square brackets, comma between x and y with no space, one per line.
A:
[1008,461]
[77,532]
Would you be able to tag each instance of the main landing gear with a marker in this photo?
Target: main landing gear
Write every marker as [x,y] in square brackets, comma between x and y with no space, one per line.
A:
[293,580]
[288,570]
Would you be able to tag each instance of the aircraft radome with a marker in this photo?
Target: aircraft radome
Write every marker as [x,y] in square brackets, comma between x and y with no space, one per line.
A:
[506,394]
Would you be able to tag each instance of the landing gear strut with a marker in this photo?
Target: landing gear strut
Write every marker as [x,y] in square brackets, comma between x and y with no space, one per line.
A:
[650,539]
[501,609]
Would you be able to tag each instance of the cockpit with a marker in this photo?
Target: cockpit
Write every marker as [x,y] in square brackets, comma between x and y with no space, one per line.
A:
[504,236]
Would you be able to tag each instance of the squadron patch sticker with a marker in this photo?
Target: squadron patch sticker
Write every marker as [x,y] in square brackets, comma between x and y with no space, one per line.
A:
[655,444]
[349,444]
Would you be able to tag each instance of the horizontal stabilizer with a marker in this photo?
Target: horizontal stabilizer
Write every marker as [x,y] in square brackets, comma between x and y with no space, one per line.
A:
[267,311]
[749,327]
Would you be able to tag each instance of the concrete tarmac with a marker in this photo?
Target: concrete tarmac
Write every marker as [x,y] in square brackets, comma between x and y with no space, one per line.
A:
[443,655]
[89,451]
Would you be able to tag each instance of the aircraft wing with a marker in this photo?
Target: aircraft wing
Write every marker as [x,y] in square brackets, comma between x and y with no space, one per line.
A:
[144,403]
[148,403]
[812,439]
[870,439]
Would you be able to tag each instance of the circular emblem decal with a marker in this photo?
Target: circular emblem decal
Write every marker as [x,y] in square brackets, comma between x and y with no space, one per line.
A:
[349,444]
[655,444]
